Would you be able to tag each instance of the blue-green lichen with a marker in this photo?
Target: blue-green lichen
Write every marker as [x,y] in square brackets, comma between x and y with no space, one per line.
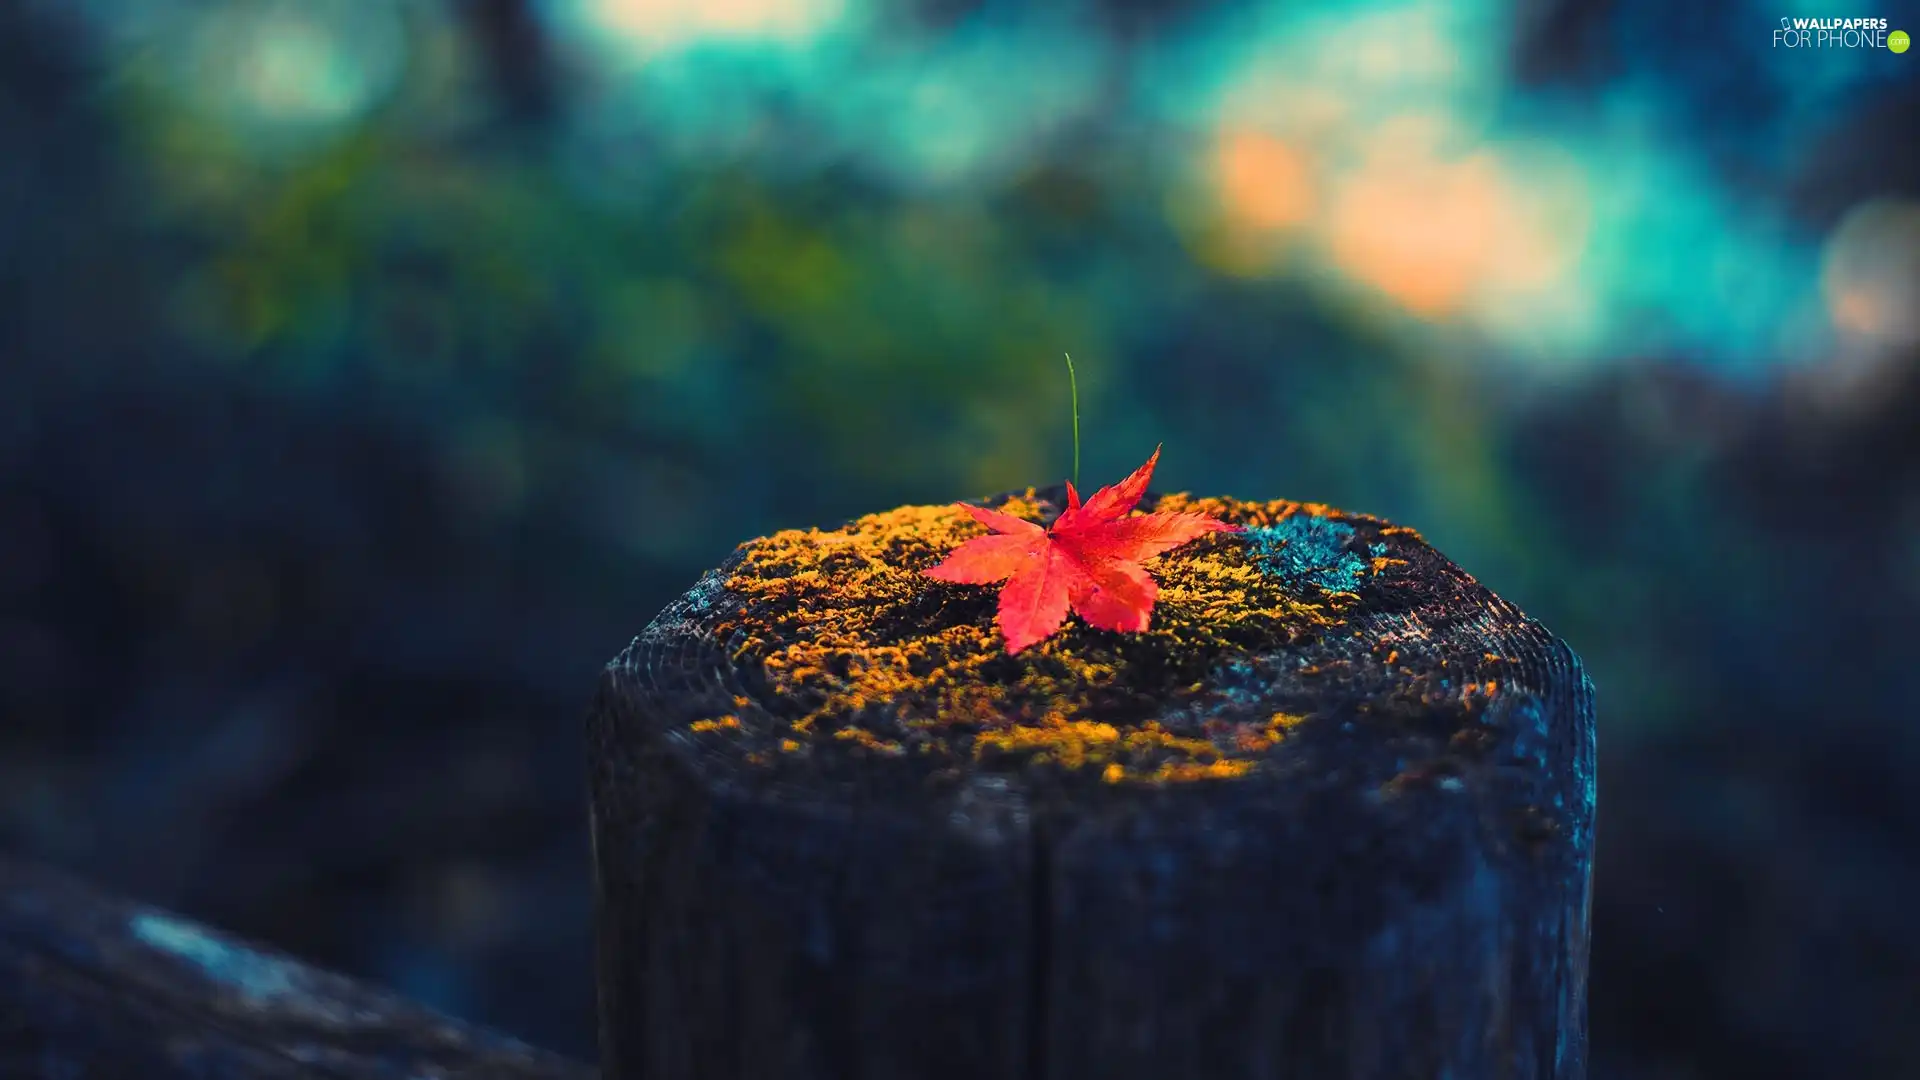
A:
[1309,549]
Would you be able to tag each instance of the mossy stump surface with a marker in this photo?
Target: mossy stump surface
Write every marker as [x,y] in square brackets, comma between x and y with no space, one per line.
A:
[1330,816]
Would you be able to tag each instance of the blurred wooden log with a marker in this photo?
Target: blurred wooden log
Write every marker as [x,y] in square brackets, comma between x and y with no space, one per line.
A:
[1331,816]
[92,986]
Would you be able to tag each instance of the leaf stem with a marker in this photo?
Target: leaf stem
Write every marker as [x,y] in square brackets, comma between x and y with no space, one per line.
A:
[1073,387]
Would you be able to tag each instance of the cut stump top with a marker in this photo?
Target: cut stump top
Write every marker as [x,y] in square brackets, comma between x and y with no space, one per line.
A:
[823,665]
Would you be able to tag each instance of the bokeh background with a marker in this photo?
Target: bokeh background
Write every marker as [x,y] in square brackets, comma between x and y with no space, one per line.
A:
[370,373]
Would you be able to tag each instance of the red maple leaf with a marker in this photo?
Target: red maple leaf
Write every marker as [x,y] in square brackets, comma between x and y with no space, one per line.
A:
[1089,561]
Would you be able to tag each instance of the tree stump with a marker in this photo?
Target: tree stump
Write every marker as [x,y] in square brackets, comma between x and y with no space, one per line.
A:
[1330,816]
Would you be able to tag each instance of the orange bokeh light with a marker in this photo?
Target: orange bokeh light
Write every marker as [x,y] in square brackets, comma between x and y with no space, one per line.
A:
[1263,182]
[1436,235]
[1418,231]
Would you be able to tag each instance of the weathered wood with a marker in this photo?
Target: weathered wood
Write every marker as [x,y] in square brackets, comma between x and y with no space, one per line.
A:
[1331,816]
[93,986]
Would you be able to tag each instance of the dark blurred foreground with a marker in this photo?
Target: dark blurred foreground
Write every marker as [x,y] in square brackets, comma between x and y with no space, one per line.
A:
[332,471]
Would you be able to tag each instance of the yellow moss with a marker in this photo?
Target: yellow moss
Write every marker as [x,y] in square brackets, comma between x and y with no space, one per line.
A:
[1282,722]
[1152,737]
[824,611]
[1027,505]
[862,737]
[1213,770]
[1071,743]
[716,724]
[1254,738]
